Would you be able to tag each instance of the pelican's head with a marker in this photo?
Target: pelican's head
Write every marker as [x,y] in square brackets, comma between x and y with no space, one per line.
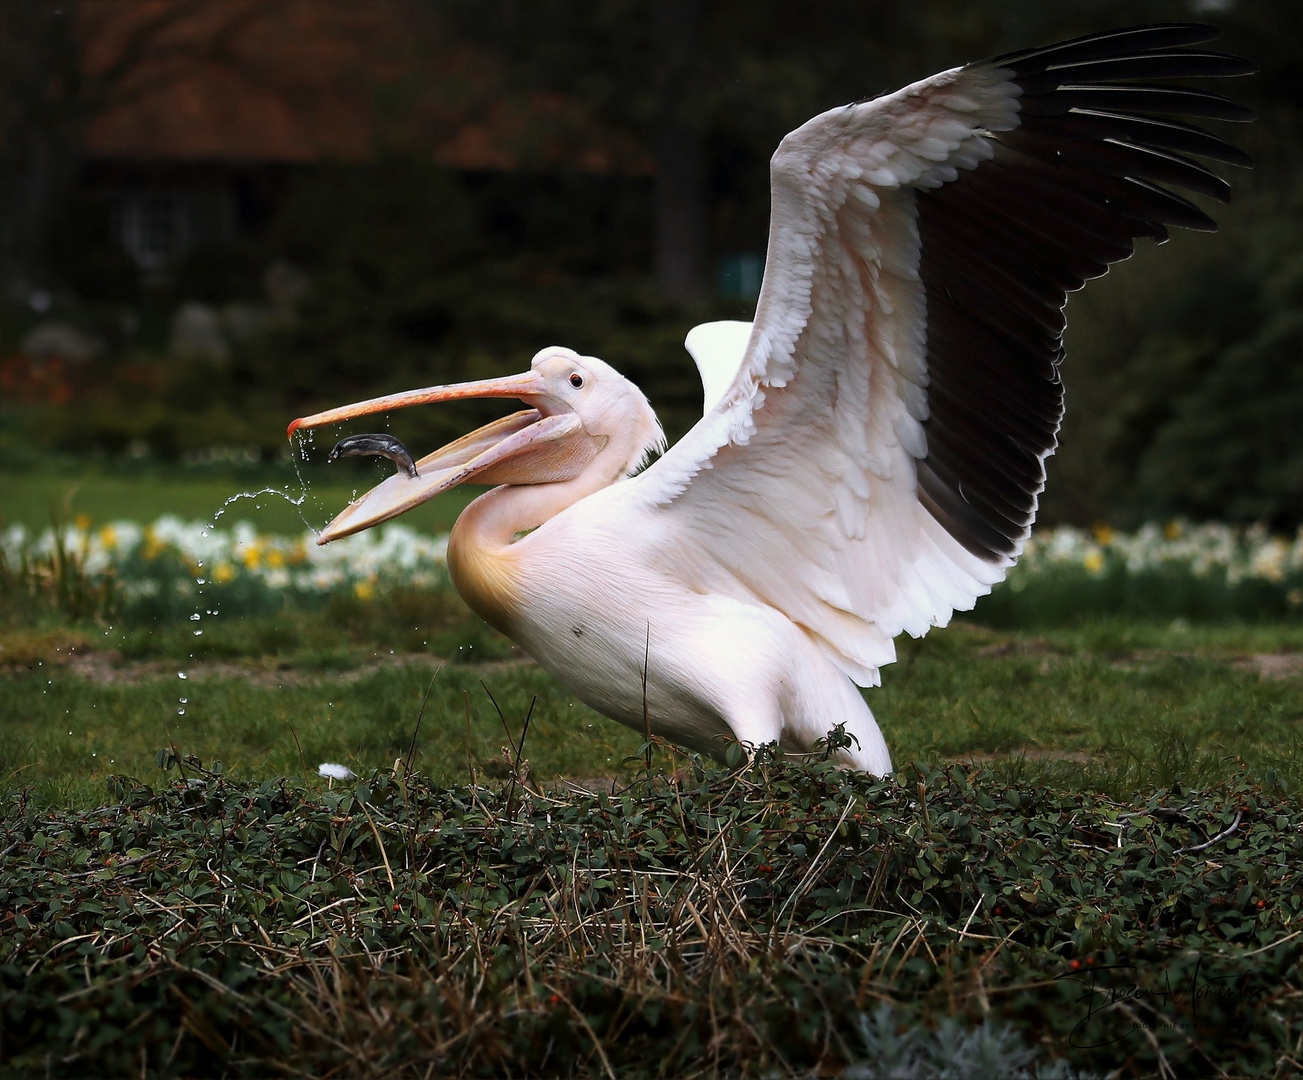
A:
[583,414]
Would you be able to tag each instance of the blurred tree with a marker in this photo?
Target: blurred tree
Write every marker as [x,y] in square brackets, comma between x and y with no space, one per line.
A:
[48,94]
[708,87]
[38,135]
[681,237]
[421,275]
[1233,446]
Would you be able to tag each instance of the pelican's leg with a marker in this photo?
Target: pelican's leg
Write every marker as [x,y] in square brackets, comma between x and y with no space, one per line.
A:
[829,699]
[762,725]
[754,727]
[869,750]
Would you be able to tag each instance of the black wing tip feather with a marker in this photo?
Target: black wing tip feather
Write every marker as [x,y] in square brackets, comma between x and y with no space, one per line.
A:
[1147,37]
[1085,173]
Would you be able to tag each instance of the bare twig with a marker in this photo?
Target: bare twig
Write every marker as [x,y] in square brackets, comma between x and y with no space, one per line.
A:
[411,750]
[303,765]
[1239,816]
[501,716]
[383,854]
[646,713]
[524,730]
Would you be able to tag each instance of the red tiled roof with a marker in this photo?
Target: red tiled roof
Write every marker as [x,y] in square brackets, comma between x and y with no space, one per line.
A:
[313,80]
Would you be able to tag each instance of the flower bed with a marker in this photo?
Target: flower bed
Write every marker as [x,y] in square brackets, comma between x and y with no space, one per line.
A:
[1177,570]
[174,568]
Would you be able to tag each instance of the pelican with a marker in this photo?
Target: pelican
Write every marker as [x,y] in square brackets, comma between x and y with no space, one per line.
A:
[872,446]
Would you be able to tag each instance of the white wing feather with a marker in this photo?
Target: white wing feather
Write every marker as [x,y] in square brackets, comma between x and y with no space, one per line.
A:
[800,490]
[718,349]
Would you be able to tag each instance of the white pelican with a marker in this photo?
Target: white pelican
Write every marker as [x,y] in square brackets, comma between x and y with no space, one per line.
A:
[873,445]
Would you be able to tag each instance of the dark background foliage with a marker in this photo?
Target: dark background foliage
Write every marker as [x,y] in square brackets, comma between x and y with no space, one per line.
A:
[1183,382]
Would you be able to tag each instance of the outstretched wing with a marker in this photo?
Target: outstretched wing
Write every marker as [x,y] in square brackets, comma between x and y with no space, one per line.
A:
[876,462]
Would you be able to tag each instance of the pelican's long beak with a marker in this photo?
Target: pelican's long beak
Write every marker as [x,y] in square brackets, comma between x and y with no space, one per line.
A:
[525,386]
[532,446]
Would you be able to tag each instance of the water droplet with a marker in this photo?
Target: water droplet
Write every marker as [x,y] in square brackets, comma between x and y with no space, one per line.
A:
[195,617]
[181,675]
[199,633]
[186,701]
[181,712]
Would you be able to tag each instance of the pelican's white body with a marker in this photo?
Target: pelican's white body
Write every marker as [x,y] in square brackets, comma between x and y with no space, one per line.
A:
[717,668]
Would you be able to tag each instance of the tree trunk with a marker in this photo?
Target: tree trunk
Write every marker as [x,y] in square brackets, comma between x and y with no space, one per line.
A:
[681,231]
[39,143]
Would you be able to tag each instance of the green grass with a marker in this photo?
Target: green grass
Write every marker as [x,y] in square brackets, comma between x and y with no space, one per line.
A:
[65,734]
[34,497]
[1109,707]
[1114,706]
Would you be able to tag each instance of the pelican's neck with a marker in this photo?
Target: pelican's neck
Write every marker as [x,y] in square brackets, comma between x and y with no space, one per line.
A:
[483,560]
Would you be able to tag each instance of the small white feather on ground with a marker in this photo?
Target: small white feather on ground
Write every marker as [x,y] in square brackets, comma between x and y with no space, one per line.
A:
[336,772]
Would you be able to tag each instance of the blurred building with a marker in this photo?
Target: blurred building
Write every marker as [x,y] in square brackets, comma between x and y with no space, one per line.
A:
[208,105]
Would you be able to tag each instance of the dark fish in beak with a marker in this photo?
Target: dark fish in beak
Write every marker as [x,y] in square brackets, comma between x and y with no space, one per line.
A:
[526,447]
[375,446]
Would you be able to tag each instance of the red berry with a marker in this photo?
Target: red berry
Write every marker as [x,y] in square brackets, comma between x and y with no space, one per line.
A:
[1076,964]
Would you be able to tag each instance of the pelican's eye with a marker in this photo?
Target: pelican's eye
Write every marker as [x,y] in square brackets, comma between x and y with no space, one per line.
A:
[577,381]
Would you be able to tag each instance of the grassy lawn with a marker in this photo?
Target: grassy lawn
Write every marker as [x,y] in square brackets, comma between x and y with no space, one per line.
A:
[273,499]
[1112,706]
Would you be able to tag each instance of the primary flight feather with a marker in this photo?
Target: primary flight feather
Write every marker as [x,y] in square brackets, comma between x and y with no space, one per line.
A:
[873,445]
